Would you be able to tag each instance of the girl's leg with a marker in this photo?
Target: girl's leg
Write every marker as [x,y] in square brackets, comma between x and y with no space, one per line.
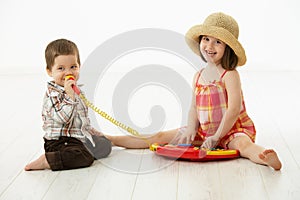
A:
[38,164]
[255,153]
[133,142]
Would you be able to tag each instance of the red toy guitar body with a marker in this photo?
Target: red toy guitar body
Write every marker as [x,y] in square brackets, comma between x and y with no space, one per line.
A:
[191,153]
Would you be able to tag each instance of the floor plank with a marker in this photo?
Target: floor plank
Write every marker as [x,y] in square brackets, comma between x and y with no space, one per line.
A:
[241,179]
[198,180]
[157,177]
[30,185]
[72,184]
[111,184]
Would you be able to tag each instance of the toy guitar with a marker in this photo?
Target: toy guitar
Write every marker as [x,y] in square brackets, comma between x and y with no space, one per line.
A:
[191,153]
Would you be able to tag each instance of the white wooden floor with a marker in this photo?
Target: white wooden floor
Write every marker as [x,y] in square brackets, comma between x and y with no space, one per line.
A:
[272,100]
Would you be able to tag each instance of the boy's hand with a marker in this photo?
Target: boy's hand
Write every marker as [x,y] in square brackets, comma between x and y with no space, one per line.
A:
[68,88]
[96,132]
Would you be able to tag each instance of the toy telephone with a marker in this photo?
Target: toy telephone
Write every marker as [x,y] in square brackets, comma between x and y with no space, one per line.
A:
[192,153]
[104,114]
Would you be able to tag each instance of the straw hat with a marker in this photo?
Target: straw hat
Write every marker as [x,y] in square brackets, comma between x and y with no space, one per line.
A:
[222,27]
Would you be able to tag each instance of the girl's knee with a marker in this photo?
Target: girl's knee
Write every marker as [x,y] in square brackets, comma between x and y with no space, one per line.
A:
[240,143]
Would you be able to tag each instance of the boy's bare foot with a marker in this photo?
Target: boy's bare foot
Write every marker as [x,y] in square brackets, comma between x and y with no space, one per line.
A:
[269,156]
[38,164]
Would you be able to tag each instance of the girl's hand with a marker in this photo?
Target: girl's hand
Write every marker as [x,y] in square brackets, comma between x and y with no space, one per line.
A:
[68,88]
[210,142]
[186,137]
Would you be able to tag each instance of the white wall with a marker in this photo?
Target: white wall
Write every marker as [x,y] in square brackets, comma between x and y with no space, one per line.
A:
[269,29]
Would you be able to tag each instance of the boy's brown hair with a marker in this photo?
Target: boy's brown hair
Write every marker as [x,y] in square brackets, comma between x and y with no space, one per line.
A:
[60,47]
[229,60]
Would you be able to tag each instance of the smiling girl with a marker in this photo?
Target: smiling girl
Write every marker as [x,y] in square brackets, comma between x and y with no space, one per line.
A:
[217,117]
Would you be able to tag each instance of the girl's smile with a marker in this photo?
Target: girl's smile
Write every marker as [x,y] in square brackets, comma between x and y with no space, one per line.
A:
[212,49]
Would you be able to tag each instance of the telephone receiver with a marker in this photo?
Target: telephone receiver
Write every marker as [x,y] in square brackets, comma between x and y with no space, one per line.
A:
[75,88]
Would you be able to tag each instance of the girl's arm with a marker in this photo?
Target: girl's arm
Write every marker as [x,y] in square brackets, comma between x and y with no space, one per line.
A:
[193,123]
[233,88]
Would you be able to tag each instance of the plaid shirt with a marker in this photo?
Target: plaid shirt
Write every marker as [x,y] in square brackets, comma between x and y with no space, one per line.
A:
[64,117]
[211,103]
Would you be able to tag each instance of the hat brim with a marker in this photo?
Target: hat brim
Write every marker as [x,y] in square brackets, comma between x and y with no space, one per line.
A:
[192,39]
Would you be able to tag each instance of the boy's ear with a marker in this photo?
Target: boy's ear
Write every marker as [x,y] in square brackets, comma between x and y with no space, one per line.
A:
[49,72]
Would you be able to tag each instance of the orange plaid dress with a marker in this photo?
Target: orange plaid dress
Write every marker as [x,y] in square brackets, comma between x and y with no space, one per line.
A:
[211,103]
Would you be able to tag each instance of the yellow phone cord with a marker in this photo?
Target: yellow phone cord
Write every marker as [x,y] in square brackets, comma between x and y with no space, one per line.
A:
[111,119]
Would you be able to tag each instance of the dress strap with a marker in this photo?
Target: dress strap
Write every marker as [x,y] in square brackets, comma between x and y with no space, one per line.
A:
[223,74]
[199,74]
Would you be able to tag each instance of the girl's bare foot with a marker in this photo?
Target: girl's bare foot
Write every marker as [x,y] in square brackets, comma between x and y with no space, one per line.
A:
[270,158]
[38,164]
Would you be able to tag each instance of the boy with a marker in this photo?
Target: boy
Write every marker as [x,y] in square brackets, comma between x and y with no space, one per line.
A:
[70,141]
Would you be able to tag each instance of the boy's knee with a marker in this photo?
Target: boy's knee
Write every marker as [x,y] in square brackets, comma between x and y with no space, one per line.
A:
[87,160]
[103,148]
[76,158]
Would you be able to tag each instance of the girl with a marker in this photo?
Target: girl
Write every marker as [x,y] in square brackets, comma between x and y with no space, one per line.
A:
[217,116]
